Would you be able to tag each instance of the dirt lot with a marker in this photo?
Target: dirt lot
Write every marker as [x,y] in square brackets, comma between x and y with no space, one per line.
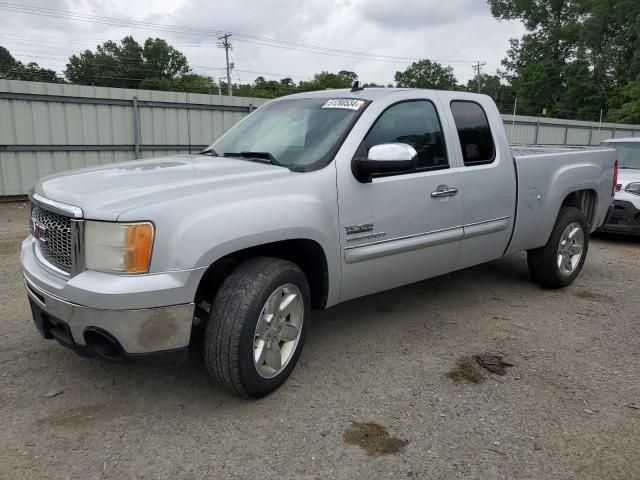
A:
[387,388]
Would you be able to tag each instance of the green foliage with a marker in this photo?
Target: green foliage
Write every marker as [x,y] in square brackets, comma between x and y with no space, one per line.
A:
[427,74]
[326,80]
[11,69]
[576,57]
[492,86]
[161,60]
[154,65]
[6,59]
[629,111]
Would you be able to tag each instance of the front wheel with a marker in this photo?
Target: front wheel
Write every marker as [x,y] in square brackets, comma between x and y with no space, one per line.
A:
[256,329]
[560,261]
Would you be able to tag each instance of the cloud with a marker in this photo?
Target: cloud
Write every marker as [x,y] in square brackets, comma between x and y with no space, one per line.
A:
[451,30]
[420,14]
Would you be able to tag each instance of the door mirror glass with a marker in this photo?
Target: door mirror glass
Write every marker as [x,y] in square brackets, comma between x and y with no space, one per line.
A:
[385,159]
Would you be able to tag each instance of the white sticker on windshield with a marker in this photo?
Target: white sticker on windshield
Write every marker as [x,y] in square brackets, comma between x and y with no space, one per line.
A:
[348,103]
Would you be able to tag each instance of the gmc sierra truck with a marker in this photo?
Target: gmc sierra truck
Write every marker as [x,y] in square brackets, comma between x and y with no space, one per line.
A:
[311,200]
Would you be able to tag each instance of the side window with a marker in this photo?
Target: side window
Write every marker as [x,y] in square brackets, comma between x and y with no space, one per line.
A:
[474,132]
[415,123]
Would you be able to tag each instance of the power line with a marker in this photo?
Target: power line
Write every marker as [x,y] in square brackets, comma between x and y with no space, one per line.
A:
[264,41]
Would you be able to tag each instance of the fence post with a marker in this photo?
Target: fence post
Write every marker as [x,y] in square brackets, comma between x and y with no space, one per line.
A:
[537,132]
[136,128]
[251,107]
[186,101]
[591,136]
[566,134]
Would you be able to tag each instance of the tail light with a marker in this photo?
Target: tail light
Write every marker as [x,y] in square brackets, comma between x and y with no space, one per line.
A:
[615,177]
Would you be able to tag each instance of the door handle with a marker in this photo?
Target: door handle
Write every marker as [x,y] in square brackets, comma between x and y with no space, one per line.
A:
[444,191]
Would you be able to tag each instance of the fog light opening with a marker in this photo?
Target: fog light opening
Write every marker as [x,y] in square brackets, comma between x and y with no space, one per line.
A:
[103,344]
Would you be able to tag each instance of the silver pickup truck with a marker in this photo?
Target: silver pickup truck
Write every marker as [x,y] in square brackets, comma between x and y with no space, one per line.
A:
[312,200]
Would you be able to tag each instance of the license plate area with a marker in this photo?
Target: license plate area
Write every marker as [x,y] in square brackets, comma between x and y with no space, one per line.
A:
[51,327]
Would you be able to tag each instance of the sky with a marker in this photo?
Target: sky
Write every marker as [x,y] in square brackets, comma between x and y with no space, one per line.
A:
[374,38]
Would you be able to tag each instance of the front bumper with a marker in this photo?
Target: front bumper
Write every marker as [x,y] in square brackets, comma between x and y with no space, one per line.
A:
[140,315]
[625,218]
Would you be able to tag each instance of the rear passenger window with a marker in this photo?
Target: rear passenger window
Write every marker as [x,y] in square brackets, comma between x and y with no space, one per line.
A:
[415,123]
[474,132]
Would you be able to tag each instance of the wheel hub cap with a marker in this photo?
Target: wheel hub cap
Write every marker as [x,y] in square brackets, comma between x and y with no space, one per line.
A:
[570,248]
[278,330]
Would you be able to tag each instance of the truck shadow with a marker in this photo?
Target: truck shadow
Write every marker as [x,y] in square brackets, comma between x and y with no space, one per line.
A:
[386,322]
[616,239]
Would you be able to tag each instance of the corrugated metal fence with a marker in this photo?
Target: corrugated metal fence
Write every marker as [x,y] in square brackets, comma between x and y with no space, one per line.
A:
[47,128]
[554,131]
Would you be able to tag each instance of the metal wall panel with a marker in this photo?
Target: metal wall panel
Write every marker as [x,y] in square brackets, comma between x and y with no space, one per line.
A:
[48,128]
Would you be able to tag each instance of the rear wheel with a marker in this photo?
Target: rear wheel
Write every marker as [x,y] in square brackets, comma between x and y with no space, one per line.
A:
[560,261]
[257,325]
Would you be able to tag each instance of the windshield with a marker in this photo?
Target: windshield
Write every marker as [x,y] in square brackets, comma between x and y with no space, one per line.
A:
[628,154]
[302,134]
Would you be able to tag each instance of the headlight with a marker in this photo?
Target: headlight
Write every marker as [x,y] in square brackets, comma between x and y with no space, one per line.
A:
[633,188]
[118,247]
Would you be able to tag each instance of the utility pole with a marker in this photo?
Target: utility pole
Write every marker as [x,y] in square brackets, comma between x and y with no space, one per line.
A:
[478,69]
[226,44]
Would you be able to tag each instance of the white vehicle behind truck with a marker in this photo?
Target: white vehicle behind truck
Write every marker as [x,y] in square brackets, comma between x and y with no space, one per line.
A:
[313,199]
[625,217]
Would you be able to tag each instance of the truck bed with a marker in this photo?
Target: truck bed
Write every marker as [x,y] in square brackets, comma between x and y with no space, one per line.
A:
[520,150]
[546,176]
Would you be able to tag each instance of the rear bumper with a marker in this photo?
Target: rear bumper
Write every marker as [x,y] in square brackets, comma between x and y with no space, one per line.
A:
[624,218]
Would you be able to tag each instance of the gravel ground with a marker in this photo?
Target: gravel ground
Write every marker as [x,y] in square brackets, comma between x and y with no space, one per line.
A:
[386,387]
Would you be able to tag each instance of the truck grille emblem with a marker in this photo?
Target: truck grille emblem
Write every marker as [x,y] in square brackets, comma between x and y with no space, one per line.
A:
[39,231]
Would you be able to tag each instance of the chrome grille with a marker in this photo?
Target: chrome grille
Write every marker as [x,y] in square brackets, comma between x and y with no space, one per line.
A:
[53,234]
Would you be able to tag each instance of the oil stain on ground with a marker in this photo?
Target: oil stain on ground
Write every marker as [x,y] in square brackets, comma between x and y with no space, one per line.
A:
[81,416]
[373,438]
[470,368]
[594,297]
[466,370]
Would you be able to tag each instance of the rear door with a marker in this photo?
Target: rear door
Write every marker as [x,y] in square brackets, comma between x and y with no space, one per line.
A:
[398,229]
[487,178]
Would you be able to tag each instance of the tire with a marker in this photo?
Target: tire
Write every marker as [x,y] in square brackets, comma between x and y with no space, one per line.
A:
[238,310]
[545,265]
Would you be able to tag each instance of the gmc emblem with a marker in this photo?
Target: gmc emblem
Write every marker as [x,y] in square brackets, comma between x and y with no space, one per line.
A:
[38,231]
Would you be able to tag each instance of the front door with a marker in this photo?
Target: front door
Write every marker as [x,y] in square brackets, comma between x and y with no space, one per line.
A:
[399,229]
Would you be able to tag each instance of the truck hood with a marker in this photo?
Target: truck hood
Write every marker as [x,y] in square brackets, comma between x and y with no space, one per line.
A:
[105,192]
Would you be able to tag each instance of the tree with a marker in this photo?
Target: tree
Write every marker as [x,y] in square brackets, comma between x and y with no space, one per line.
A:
[11,69]
[489,84]
[576,57]
[196,83]
[6,60]
[427,74]
[629,111]
[326,80]
[492,86]
[161,60]
[155,65]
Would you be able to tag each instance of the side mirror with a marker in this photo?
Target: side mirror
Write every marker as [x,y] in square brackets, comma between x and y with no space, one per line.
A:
[386,158]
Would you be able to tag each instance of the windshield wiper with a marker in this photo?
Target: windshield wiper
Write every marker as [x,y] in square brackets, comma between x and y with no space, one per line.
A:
[264,157]
[209,151]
